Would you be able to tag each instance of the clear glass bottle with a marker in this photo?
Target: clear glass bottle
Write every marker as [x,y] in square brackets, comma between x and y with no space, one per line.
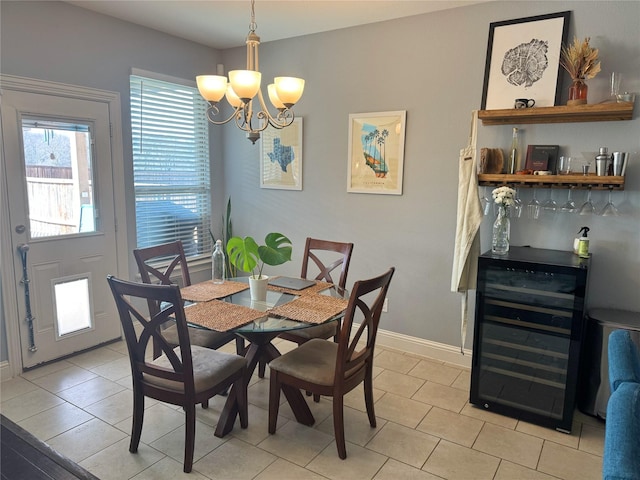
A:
[501,232]
[217,264]
[513,153]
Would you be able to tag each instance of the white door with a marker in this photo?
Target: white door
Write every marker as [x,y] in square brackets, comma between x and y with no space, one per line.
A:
[62,217]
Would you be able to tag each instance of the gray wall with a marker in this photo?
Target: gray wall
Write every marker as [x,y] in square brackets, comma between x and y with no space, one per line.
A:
[430,65]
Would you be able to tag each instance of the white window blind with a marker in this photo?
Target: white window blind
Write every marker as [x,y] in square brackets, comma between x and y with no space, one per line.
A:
[170,138]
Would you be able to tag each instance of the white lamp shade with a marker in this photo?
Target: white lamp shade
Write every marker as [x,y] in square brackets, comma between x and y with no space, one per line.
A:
[273,96]
[212,87]
[232,98]
[289,89]
[245,83]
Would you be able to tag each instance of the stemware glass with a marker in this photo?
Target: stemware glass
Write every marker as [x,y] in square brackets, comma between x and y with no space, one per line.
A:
[486,202]
[549,205]
[517,205]
[609,209]
[533,207]
[569,206]
[587,207]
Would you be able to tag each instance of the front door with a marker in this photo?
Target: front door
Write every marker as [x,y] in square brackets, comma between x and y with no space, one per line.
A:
[59,171]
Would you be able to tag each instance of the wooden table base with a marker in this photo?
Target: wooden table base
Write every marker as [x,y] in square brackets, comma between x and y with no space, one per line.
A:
[261,349]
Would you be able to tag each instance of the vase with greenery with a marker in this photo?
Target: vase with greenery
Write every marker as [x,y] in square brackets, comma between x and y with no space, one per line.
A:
[503,197]
[580,60]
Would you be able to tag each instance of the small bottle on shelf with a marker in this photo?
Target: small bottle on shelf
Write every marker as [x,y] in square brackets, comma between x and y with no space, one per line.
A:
[513,153]
[217,264]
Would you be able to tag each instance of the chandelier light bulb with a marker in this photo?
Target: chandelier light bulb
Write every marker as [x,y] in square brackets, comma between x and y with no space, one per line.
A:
[232,98]
[212,87]
[289,89]
[273,96]
[245,83]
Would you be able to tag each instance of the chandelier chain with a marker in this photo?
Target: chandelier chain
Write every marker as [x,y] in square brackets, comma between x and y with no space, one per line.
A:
[253,25]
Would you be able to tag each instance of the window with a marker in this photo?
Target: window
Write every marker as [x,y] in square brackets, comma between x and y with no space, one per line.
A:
[170,139]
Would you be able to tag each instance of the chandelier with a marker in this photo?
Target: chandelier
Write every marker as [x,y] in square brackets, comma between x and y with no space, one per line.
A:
[243,87]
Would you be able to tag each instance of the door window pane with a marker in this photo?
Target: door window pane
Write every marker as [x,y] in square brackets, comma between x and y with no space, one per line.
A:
[59,177]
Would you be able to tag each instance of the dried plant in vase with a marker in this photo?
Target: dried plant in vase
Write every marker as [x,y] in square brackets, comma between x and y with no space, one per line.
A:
[580,60]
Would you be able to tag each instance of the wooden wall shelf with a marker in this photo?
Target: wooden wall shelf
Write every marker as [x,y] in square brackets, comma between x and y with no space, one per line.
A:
[600,112]
[583,182]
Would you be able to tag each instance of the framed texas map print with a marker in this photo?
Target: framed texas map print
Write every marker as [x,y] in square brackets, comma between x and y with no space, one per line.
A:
[523,61]
[281,157]
[376,152]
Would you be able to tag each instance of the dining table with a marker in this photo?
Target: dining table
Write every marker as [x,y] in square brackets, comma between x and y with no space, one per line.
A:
[228,307]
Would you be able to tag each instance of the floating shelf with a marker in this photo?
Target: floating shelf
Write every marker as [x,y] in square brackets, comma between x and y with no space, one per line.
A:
[600,112]
[583,182]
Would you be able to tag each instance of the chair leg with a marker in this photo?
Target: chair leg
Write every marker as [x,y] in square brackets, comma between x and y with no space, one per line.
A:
[205,404]
[240,346]
[316,397]
[241,398]
[368,396]
[338,426]
[138,418]
[262,367]
[189,436]
[274,401]
[336,337]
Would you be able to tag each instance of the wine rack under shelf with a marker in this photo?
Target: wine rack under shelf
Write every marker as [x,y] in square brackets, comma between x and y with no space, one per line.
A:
[583,182]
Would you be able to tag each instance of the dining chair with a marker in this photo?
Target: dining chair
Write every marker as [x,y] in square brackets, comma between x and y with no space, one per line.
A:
[334,369]
[183,375]
[316,258]
[172,255]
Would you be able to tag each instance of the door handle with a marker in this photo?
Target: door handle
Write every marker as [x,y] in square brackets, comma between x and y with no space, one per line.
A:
[20,229]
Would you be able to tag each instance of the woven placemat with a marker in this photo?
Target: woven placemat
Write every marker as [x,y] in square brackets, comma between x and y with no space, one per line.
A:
[206,291]
[312,290]
[311,308]
[221,316]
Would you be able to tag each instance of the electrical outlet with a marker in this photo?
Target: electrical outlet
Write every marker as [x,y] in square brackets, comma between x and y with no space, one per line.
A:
[385,305]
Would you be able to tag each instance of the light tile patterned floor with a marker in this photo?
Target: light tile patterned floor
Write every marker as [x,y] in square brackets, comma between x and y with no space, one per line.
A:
[426,429]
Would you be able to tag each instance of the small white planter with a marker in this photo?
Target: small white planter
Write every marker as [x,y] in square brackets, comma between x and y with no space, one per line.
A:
[258,287]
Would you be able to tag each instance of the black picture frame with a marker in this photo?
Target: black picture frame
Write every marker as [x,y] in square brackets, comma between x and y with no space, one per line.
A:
[523,61]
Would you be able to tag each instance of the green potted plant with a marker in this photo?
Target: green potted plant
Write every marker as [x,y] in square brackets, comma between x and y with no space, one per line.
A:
[246,255]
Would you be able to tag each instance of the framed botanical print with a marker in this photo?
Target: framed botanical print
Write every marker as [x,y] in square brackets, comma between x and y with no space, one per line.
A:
[376,152]
[281,157]
[523,61]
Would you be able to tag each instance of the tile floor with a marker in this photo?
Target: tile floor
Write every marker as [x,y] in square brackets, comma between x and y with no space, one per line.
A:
[426,429]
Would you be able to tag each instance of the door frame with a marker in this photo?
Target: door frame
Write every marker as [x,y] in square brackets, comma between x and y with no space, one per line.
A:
[10,294]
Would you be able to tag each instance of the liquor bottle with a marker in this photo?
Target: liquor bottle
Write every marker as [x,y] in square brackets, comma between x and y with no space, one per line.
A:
[513,154]
[217,264]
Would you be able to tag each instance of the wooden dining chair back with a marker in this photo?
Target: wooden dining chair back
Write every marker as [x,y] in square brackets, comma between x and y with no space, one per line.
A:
[334,369]
[314,249]
[319,258]
[183,375]
[161,264]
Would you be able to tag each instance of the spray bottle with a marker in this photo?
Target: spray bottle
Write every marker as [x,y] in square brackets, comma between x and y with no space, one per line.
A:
[583,243]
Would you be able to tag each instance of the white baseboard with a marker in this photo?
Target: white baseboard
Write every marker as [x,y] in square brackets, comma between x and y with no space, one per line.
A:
[427,348]
[5,371]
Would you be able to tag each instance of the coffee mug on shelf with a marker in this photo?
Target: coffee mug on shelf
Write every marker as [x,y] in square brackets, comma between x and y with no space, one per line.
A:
[524,103]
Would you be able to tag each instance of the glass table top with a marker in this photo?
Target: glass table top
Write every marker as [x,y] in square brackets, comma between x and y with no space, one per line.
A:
[270,323]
